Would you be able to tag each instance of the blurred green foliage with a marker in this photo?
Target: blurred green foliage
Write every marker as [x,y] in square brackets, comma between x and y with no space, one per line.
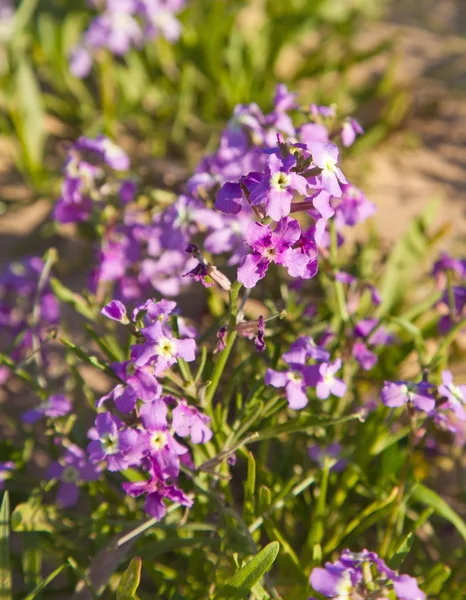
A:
[230,52]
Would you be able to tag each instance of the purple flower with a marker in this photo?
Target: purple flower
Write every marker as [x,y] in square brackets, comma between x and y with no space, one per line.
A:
[187,420]
[325,156]
[72,469]
[396,394]
[365,357]
[80,61]
[304,348]
[116,311]
[295,381]
[115,444]
[333,451]
[346,578]
[277,187]
[55,406]
[157,490]
[6,468]
[157,442]
[445,264]
[328,383]
[455,394]
[351,128]
[163,348]
[353,207]
[229,198]
[271,247]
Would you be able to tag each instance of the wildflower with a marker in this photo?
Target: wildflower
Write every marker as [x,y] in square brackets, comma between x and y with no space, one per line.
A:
[455,394]
[332,451]
[271,246]
[55,406]
[346,578]
[365,357]
[157,490]
[6,469]
[157,442]
[353,207]
[329,384]
[115,444]
[187,420]
[304,348]
[295,381]
[162,347]
[398,393]
[351,128]
[72,470]
[277,186]
[325,156]
[116,311]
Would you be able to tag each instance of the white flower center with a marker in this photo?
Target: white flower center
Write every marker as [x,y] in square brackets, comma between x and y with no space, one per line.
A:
[110,443]
[166,347]
[455,390]
[345,587]
[330,164]
[295,377]
[280,180]
[158,440]
[70,474]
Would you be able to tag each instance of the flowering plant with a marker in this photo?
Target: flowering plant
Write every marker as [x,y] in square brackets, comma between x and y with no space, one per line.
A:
[295,399]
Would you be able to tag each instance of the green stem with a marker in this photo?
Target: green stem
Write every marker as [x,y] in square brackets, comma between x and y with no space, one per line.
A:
[317,529]
[231,337]
[107,90]
[389,532]
[338,286]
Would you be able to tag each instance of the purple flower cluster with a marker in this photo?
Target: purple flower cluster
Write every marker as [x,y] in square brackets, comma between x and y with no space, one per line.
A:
[363,575]
[90,179]
[18,296]
[300,376]
[126,24]
[156,421]
[441,403]
[450,275]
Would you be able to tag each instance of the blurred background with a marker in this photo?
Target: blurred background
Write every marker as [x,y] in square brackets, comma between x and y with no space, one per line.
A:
[398,66]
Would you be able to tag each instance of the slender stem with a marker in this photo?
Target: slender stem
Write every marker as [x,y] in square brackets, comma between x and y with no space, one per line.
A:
[389,532]
[107,90]
[317,529]
[451,296]
[231,337]
[338,286]
[50,259]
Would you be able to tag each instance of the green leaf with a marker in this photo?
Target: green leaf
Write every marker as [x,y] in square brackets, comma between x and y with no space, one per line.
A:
[130,579]
[250,486]
[27,113]
[406,543]
[88,358]
[5,573]
[436,579]
[30,516]
[64,294]
[301,424]
[426,496]
[44,583]
[244,580]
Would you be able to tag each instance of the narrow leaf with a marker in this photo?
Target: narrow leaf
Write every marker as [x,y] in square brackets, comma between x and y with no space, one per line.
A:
[44,583]
[244,580]
[5,573]
[130,579]
[426,496]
